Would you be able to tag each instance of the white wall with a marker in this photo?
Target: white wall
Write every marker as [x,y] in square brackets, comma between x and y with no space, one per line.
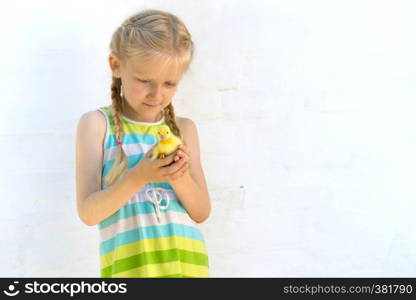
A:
[307,105]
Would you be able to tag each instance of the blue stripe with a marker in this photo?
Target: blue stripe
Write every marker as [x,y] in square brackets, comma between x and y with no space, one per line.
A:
[132,160]
[138,208]
[132,138]
[164,185]
[150,232]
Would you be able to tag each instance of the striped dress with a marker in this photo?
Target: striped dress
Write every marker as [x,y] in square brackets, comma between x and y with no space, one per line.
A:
[152,235]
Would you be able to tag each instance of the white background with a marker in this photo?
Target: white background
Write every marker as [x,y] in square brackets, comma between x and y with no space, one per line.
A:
[305,112]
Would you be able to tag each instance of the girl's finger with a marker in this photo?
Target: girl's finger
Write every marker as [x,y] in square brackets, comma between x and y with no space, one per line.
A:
[176,166]
[183,154]
[185,168]
[150,151]
[183,147]
[179,156]
[182,167]
[167,160]
[180,172]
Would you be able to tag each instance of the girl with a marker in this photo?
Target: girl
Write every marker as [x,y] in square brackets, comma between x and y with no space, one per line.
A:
[146,210]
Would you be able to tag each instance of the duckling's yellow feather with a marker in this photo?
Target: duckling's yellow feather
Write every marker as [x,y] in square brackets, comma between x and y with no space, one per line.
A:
[168,142]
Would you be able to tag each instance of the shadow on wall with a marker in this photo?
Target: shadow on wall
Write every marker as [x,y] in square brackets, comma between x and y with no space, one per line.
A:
[227,214]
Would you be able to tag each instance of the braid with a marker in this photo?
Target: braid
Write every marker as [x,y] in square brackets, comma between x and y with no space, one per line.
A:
[117,106]
[171,120]
[120,163]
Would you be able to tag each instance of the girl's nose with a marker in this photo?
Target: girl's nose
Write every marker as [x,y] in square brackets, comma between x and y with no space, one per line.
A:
[156,92]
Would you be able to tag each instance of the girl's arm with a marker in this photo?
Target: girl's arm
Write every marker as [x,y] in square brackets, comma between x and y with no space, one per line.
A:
[94,204]
[191,187]
[104,203]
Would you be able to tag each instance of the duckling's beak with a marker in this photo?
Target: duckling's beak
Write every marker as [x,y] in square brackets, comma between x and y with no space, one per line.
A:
[163,137]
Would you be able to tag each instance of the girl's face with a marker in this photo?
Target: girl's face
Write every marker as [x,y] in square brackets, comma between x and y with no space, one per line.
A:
[147,86]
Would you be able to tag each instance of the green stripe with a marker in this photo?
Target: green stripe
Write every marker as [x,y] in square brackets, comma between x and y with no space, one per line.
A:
[155,257]
[168,276]
[175,276]
[128,127]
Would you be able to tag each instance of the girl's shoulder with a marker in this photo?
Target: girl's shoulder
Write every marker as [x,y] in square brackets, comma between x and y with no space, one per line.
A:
[187,128]
[180,121]
[95,123]
[183,123]
[96,119]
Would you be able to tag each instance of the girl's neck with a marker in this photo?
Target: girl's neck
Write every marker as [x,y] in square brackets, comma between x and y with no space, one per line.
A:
[132,116]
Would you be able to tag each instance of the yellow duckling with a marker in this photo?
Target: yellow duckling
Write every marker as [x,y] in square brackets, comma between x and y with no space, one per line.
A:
[168,143]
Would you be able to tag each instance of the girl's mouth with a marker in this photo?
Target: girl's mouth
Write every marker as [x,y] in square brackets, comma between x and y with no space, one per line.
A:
[148,105]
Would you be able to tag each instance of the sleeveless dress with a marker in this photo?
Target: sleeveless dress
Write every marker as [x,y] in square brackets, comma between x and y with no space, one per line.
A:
[152,235]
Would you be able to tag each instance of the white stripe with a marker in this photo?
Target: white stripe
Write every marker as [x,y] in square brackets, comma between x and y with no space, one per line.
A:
[145,123]
[143,220]
[141,196]
[129,149]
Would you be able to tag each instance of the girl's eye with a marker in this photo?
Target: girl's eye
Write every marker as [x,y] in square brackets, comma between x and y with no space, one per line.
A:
[144,81]
[147,81]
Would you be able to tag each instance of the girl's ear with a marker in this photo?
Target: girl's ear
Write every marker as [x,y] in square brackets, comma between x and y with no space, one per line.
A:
[114,65]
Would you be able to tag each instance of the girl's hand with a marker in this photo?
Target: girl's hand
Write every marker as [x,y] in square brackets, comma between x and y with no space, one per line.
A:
[182,153]
[159,170]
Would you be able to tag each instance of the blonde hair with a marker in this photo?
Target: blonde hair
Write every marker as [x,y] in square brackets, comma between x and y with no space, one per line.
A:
[149,34]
